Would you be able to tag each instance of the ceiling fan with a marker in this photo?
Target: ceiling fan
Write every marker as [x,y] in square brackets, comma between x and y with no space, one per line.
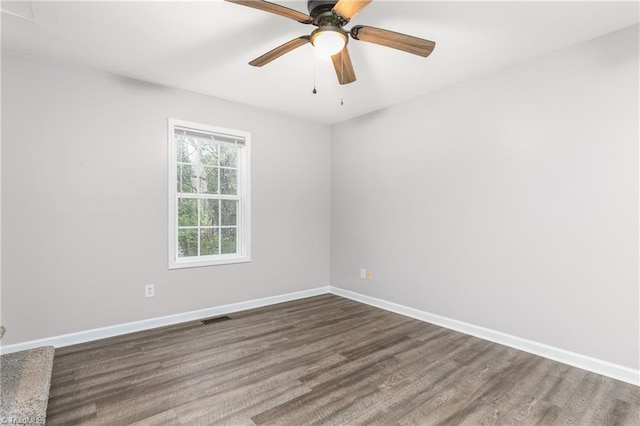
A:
[330,38]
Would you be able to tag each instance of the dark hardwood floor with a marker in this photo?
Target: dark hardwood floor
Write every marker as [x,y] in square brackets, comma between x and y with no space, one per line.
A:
[324,360]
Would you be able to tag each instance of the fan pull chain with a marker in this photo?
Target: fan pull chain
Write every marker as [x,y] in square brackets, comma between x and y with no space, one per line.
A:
[315,65]
[342,66]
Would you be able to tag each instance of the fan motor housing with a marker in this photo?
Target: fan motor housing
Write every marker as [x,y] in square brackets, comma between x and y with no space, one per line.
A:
[313,4]
[321,12]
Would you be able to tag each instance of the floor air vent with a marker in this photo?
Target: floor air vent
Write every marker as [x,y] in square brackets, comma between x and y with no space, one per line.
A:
[214,320]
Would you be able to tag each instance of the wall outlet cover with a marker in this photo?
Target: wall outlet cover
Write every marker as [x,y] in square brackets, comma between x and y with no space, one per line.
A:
[149,290]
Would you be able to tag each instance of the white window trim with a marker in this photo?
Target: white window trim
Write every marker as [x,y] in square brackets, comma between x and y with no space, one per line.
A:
[244,191]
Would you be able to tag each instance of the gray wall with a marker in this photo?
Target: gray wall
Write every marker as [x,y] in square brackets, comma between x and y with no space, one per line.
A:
[508,202]
[84,201]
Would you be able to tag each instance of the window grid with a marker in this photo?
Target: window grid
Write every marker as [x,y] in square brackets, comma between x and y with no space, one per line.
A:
[229,231]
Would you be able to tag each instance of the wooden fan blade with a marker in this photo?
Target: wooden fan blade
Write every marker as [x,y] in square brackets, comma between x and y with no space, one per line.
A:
[350,8]
[344,67]
[407,43]
[275,8]
[279,51]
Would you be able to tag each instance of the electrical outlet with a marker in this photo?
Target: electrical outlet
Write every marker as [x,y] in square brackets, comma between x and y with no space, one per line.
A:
[365,274]
[149,290]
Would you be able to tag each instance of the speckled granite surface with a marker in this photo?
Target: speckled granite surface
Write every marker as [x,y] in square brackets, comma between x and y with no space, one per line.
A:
[25,378]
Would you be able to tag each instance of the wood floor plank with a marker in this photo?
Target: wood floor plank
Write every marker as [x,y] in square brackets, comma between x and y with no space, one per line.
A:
[323,360]
[324,401]
[595,402]
[457,400]
[519,403]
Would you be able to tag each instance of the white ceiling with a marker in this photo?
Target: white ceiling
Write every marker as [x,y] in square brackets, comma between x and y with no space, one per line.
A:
[204,47]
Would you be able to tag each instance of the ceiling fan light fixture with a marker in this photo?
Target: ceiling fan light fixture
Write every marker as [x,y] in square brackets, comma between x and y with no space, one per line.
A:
[328,40]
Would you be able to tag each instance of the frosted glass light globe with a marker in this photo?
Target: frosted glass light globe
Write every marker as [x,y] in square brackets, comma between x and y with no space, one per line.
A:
[328,43]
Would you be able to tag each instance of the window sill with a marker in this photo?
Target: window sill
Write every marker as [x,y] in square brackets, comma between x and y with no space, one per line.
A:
[198,263]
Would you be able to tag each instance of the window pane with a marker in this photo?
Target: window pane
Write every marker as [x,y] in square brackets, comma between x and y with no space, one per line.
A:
[209,153]
[228,181]
[187,242]
[209,212]
[187,212]
[228,155]
[186,178]
[187,152]
[208,242]
[228,240]
[209,180]
[229,212]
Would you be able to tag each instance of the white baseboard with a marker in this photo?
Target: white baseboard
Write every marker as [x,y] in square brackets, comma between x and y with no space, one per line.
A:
[584,362]
[120,329]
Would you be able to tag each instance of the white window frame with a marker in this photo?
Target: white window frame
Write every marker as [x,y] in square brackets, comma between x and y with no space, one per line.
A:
[244,196]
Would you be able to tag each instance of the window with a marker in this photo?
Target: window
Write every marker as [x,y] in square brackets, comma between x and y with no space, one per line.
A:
[209,206]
